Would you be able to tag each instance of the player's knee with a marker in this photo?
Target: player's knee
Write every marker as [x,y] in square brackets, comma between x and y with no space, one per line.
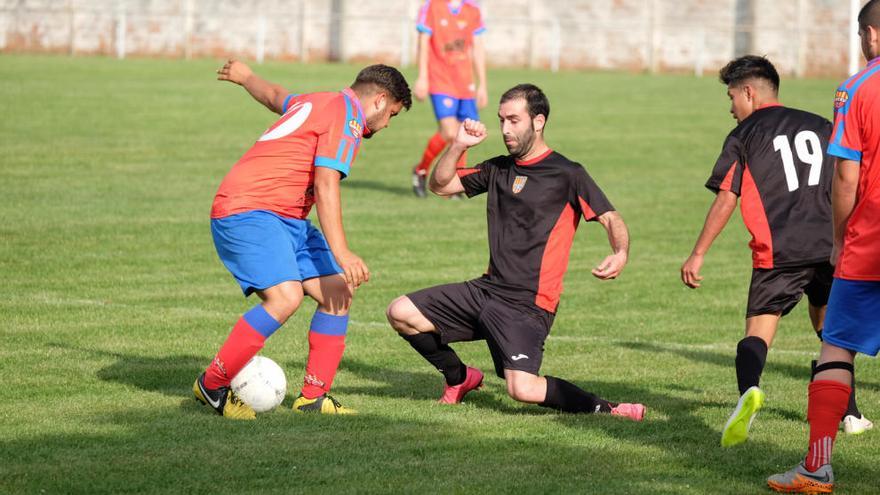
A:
[448,133]
[398,314]
[336,298]
[524,390]
[283,303]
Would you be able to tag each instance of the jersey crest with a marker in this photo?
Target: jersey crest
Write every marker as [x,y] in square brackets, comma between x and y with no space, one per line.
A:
[356,128]
[519,183]
[840,99]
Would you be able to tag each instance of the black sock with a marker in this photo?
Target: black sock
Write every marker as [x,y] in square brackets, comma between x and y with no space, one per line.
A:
[852,409]
[751,354]
[568,397]
[440,355]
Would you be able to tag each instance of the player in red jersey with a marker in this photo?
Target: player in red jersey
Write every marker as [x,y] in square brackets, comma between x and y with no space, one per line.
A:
[852,323]
[773,162]
[262,234]
[450,51]
[536,198]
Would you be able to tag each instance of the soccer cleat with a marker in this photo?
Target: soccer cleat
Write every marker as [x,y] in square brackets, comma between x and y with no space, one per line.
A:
[799,480]
[223,400]
[324,404]
[856,425]
[736,431]
[635,412]
[473,379]
[419,184]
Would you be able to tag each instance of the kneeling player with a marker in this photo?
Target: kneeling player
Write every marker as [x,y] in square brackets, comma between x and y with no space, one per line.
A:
[535,200]
[774,160]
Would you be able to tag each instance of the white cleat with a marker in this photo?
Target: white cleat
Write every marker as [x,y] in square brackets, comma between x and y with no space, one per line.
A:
[856,426]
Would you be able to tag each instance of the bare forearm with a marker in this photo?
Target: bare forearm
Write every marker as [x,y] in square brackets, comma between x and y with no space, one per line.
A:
[480,63]
[618,234]
[843,195]
[719,214]
[328,204]
[422,55]
[445,172]
[269,94]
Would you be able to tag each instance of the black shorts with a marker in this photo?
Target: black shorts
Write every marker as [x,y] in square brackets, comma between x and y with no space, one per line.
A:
[778,290]
[514,330]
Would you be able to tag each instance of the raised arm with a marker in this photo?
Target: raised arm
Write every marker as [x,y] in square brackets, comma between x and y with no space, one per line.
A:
[843,200]
[618,239]
[719,214]
[444,179]
[271,95]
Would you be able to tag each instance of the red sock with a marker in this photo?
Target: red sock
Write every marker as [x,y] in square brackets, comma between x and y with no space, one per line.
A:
[243,343]
[435,146]
[325,353]
[462,162]
[826,405]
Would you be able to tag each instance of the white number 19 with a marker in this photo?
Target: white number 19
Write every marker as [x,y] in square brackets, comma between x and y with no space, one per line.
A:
[811,155]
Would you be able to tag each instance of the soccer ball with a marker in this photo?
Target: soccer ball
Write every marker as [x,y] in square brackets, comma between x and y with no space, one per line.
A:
[260,384]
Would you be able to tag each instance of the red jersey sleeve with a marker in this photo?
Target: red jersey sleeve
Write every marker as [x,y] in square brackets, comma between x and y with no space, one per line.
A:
[425,21]
[846,140]
[479,27]
[475,179]
[338,136]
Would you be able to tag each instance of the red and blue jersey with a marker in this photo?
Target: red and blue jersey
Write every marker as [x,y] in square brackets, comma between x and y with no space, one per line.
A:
[452,31]
[856,137]
[277,174]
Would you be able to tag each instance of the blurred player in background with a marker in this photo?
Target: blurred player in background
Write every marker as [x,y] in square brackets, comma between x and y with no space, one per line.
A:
[774,161]
[262,235]
[450,51]
[536,198]
[853,320]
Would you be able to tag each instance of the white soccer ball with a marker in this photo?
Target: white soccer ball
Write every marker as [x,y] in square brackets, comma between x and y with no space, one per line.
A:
[260,384]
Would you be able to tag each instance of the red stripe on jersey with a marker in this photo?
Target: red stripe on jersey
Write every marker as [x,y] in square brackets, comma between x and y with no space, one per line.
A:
[588,212]
[535,159]
[464,172]
[728,179]
[755,218]
[555,260]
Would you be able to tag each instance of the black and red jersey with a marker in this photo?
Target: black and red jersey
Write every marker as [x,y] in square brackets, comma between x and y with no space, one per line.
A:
[775,161]
[533,210]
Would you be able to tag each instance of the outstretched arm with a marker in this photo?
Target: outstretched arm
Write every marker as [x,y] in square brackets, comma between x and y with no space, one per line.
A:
[271,95]
[444,179]
[618,238]
[719,214]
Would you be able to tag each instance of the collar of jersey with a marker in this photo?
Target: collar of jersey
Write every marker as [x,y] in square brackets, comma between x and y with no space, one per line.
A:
[535,159]
[769,105]
[873,62]
[357,103]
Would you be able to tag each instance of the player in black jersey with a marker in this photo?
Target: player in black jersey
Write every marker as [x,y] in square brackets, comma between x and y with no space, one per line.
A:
[535,200]
[774,161]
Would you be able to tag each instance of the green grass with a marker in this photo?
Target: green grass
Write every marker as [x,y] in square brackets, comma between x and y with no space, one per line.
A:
[115,301]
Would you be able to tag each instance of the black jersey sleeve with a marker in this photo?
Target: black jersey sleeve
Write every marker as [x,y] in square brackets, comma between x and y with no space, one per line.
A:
[589,200]
[728,171]
[475,179]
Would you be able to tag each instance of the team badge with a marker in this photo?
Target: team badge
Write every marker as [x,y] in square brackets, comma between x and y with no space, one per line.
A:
[519,183]
[356,128]
[840,99]
[447,102]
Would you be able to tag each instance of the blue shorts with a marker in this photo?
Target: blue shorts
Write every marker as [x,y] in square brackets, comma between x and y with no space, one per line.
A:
[261,249]
[853,317]
[461,109]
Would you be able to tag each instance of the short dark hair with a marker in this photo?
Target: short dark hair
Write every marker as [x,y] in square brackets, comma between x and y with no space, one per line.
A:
[386,78]
[870,15]
[742,69]
[536,101]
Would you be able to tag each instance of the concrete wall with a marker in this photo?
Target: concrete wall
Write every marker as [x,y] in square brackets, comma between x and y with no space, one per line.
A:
[803,37]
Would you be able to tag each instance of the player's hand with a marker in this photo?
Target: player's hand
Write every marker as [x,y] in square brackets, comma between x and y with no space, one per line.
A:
[610,267]
[690,271]
[354,268]
[482,97]
[234,71]
[471,133]
[420,90]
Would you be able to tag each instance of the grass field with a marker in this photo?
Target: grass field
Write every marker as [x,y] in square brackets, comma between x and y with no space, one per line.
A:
[115,301]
